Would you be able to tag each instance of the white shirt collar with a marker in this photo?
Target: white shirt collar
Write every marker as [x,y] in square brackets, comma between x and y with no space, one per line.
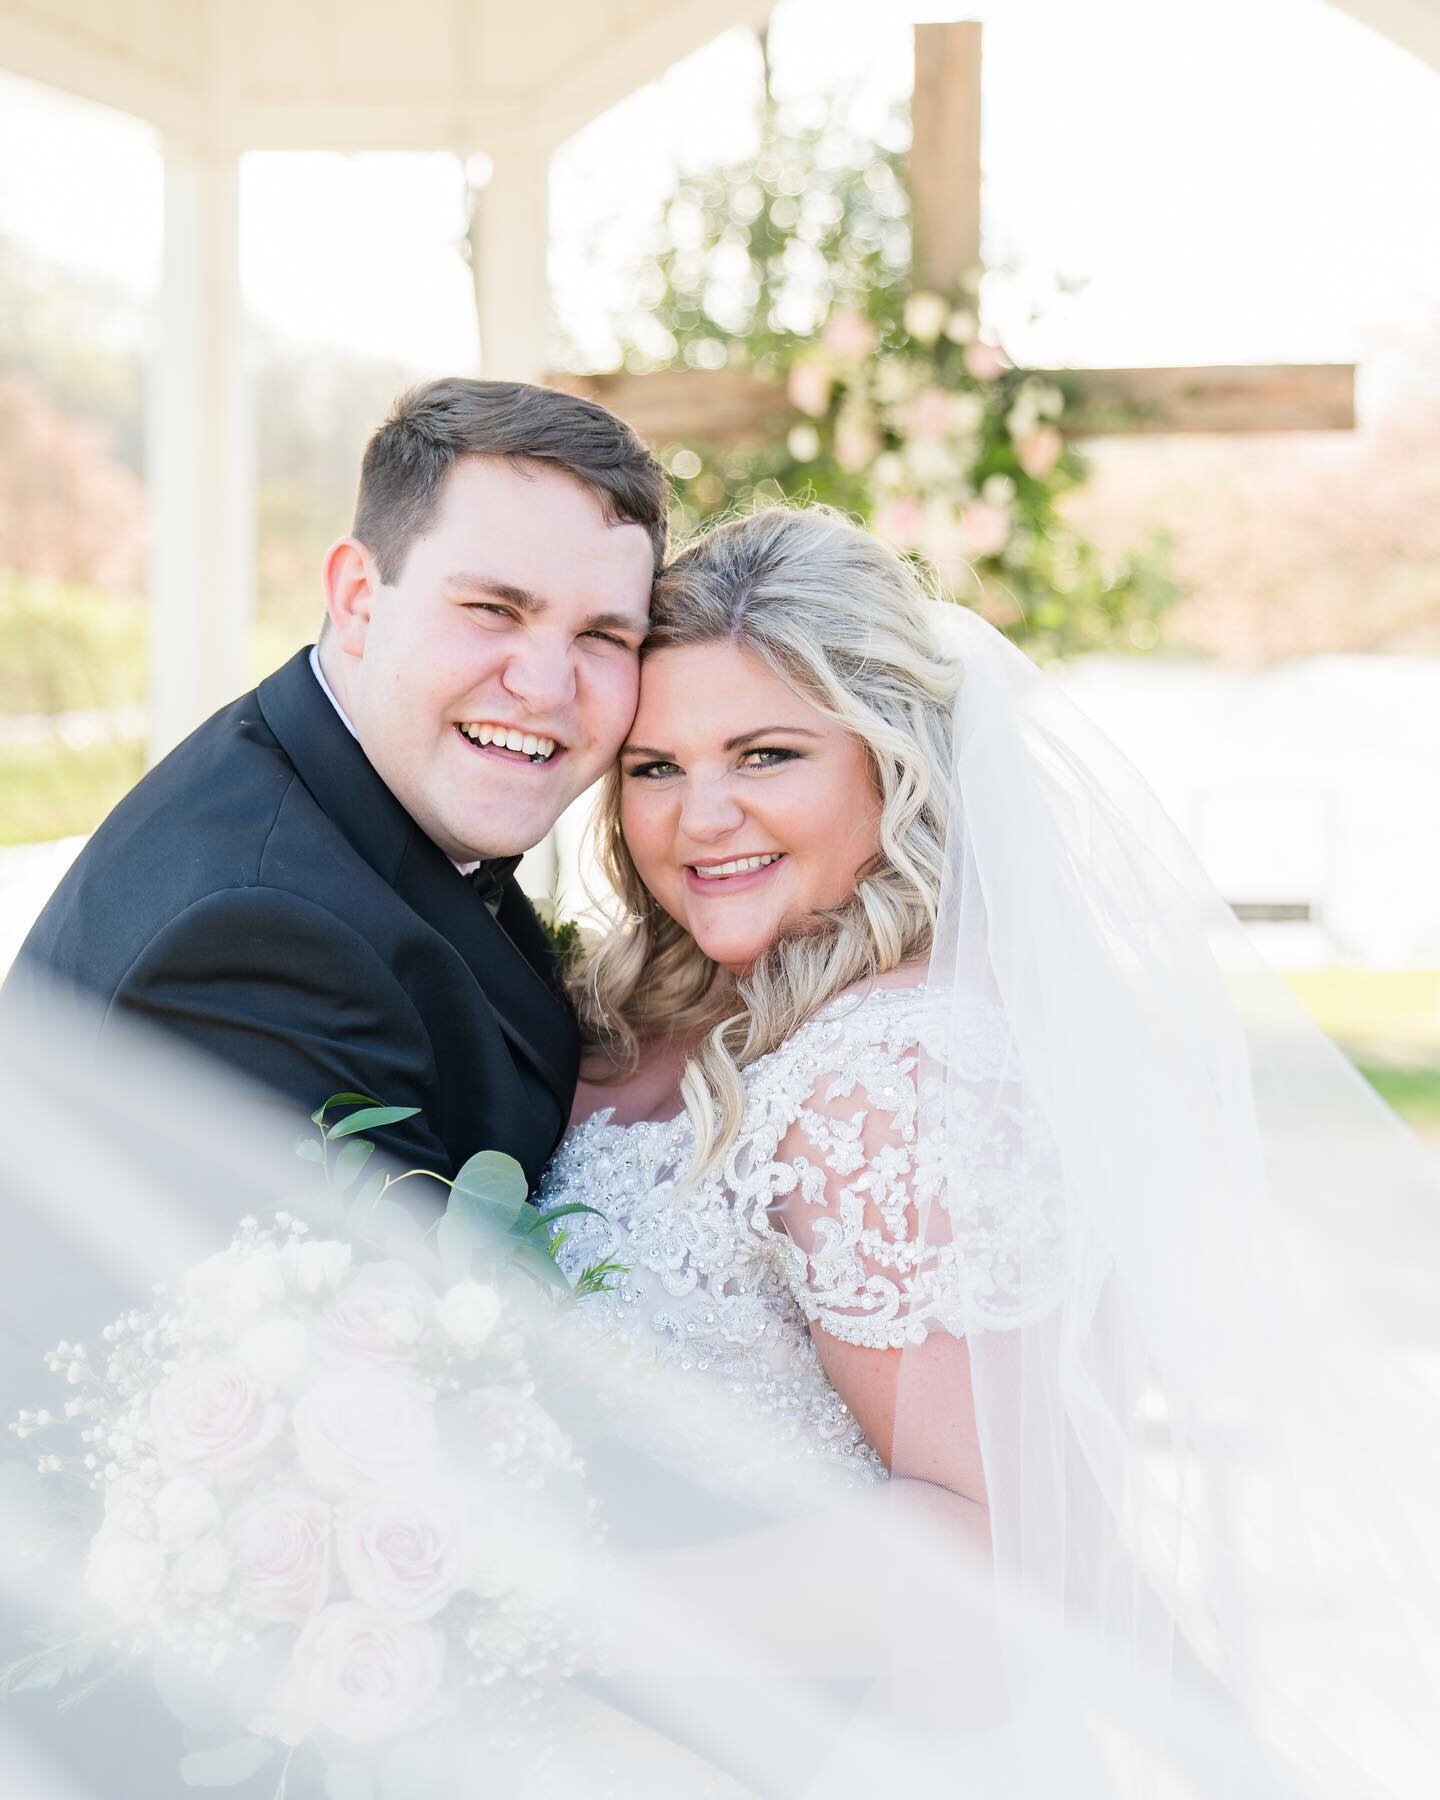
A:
[465,868]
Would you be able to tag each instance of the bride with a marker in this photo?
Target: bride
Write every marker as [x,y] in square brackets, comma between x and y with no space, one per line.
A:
[949,1131]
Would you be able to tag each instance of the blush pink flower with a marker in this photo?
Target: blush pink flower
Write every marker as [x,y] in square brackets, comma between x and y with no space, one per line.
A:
[849,336]
[1040,451]
[215,1419]
[984,530]
[280,1553]
[929,413]
[901,523]
[360,1675]
[808,385]
[377,1317]
[363,1428]
[985,361]
[402,1551]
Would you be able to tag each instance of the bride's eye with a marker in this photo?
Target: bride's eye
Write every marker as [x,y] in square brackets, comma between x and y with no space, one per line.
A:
[653,771]
[770,757]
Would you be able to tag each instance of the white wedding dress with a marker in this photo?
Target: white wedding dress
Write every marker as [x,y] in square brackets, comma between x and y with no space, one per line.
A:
[717,1286]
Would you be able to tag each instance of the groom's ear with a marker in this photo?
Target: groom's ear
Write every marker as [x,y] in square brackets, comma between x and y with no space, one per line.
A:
[351,580]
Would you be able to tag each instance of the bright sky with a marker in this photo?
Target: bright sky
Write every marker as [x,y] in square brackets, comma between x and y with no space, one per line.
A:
[1238,180]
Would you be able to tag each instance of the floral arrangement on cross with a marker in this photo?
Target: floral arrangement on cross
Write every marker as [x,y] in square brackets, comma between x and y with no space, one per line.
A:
[796,263]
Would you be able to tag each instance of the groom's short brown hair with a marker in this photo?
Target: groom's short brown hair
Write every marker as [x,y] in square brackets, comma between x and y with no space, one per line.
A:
[408,458]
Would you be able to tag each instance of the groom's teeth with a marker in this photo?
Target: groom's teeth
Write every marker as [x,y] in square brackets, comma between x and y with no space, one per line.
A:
[538,749]
[742,865]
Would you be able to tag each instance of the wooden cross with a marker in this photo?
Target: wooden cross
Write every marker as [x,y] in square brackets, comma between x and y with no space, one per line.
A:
[733,406]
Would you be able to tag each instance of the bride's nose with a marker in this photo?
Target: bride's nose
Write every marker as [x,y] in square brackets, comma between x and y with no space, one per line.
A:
[709,811]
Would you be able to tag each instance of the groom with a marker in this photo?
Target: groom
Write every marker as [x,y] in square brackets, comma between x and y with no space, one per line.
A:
[317,887]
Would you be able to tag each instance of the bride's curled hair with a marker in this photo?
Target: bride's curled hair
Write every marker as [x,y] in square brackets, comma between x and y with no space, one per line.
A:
[842,619]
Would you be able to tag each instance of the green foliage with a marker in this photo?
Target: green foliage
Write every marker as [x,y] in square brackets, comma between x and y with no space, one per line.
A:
[487,1226]
[795,263]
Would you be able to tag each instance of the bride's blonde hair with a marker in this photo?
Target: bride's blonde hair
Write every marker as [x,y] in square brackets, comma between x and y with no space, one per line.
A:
[841,619]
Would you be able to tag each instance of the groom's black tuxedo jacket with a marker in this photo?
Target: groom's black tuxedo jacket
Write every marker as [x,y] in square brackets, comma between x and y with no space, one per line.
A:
[262,895]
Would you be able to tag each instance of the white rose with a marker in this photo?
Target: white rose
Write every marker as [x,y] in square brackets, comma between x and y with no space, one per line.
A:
[275,1351]
[202,1569]
[363,1427]
[377,1317]
[468,1314]
[257,1282]
[123,1572]
[184,1510]
[320,1265]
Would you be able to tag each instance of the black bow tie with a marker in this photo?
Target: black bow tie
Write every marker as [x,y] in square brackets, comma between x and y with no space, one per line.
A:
[488,880]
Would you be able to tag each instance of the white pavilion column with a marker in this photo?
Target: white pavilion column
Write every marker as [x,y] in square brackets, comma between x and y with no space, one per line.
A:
[201,456]
[512,282]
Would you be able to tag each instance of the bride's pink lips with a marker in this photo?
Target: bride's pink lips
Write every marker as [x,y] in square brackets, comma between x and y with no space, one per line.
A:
[730,884]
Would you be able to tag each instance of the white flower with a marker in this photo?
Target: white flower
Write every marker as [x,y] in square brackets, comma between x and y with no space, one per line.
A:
[257,1282]
[202,1569]
[274,1351]
[317,1266]
[925,315]
[361,1675]
[468,1314]
[961,326]
[999,490]
[363,1426]
[967,412]
[123,1572]
[402,1551]
[804,443]
[184,1510]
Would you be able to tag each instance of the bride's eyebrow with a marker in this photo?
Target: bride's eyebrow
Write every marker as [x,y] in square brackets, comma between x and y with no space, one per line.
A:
[745,737]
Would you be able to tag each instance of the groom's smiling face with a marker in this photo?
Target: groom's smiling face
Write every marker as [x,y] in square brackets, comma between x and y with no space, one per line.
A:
[494,679]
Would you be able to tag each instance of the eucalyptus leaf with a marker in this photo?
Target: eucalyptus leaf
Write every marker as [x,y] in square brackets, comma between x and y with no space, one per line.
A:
[46,1670]
[318,1116]
[350,1161]
[490,1186]
[310,1150]
[371,1118]
[539,1265]
[227,1766]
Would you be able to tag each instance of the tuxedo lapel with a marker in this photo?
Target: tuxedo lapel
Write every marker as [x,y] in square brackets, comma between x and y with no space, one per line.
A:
[352,796]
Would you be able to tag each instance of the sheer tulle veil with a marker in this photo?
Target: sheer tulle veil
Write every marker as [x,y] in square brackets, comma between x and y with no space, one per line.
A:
[1201,1365]
[1198,1303]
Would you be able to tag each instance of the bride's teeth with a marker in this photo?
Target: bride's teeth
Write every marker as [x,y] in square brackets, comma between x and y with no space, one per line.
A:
[742,865]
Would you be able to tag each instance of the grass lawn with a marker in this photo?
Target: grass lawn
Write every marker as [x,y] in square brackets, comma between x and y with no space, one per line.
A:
[50,790]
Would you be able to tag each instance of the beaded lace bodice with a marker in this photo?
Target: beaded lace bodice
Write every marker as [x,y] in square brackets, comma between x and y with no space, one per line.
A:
[815,1216]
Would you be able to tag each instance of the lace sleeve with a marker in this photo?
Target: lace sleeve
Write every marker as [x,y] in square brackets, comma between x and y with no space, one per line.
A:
[893,1226]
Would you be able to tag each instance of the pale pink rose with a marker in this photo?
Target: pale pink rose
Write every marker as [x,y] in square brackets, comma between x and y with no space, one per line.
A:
[808,385]
[900,522]
[856,443]
[360,1675]
[984,529]
[402,1551]
[849,336]
[377,1317]
[985,362]
[928,415]
[363,1428]
[280,1552]
[215,1419]
[1040,451]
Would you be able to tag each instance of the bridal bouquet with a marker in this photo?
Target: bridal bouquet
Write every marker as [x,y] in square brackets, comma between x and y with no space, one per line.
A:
[315,1484]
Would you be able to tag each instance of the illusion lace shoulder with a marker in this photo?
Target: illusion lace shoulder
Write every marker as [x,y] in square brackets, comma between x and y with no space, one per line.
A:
[827,1213]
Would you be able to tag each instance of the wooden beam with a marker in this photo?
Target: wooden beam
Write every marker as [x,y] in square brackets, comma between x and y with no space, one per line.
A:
[735,406]
[1262,397]
[944,171]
